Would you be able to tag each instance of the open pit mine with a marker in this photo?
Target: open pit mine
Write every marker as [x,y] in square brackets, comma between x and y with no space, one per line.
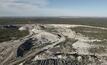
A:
[55,44]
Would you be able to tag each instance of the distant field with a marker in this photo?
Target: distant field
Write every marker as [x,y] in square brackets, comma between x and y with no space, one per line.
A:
[11,34]
[49,20]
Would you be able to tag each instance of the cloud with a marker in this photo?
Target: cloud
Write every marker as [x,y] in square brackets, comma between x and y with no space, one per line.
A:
[22,7]
[41,8]
[27,2]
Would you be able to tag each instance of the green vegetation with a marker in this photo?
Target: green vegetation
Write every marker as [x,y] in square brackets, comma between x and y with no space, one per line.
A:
[11,34]
[91,32]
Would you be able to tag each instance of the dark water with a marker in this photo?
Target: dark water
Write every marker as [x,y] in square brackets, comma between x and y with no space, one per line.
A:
[26,46]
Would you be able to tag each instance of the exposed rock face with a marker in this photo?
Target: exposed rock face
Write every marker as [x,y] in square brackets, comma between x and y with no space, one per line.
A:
[46,37]
[22,28]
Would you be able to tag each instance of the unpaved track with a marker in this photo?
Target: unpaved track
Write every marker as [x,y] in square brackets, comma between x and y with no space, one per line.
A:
[8,50]
[73,26]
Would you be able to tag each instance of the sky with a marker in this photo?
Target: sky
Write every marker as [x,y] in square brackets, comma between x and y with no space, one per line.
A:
[85,8]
